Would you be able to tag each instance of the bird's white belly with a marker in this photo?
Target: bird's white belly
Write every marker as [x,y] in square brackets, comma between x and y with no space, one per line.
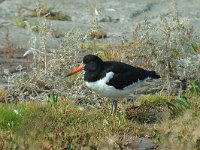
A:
[108,91]
[103,89]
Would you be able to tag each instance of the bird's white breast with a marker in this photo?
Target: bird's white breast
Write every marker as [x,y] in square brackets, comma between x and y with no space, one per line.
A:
[103,89]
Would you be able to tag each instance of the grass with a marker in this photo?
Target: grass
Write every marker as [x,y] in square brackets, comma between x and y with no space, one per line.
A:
[63,125]
[12,116]
[67,125]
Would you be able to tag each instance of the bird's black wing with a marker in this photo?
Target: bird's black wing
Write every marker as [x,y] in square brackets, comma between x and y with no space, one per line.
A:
[125,75]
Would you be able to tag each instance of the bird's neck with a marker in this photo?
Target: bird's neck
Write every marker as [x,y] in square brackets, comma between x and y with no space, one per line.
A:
[92,76]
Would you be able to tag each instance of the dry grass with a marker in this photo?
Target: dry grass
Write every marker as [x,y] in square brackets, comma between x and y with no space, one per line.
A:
[97,35]
[42,10]
[3,96]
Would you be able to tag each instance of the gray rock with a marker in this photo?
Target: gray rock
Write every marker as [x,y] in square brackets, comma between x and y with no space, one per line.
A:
[142,144]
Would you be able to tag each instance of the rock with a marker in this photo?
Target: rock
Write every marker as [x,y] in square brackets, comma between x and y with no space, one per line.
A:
[142,144]
[141,10]
[109,19]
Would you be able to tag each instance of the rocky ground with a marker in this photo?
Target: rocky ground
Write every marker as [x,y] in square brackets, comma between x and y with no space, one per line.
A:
[117,18]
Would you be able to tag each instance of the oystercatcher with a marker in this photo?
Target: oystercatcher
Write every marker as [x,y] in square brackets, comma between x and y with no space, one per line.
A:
[111,78]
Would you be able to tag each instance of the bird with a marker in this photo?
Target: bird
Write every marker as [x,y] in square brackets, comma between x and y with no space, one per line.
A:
[112,79]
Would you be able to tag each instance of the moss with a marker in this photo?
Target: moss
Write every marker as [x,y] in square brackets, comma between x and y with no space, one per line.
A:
[20,22]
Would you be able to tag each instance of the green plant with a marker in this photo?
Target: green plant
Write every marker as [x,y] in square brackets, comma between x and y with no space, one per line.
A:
[20,22]
[9,117]
[183,102]
[195,88]
[53,98]
[179,105]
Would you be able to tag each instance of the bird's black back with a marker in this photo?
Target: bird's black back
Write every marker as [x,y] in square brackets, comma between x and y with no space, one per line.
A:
[124,74]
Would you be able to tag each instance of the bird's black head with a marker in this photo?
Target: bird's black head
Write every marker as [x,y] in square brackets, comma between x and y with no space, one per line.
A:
[92,63]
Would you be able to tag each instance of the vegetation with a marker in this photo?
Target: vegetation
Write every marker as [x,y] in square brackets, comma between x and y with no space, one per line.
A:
[42,11]
[46,111]
[34,125]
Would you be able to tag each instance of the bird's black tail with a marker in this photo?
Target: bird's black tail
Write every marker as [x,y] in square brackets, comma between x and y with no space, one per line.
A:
[154,75]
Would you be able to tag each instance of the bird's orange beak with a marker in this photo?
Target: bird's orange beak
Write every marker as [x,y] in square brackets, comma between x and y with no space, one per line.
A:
[80,68]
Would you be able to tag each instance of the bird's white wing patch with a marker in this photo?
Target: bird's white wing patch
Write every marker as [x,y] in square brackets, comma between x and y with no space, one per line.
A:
[103,89]
[99,85]
[108,76]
